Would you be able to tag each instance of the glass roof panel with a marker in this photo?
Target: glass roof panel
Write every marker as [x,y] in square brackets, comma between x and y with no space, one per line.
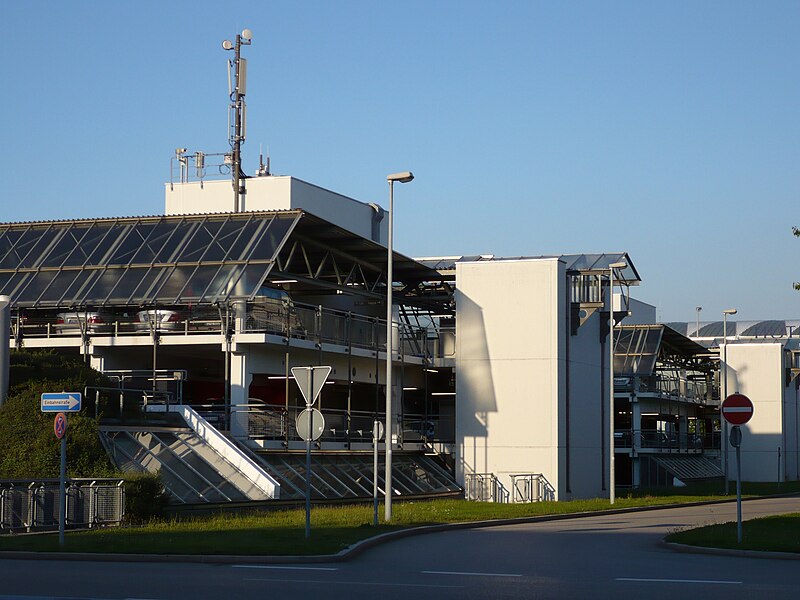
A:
[271,239]
[636,349]
[31,248]
[202,238]
[59,285]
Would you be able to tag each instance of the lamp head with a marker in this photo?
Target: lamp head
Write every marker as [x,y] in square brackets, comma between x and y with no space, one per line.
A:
[247,34]
[227,45]
[403,177]
[618,265]
[729,311]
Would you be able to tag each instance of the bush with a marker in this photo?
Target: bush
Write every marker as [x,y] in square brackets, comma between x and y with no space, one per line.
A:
[145,498]
[28,447]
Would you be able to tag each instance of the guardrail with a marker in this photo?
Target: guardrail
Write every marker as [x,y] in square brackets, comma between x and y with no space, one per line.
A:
[33,505]
[484,487]
[531,487]
[272,423]
[265,315]
[646,439]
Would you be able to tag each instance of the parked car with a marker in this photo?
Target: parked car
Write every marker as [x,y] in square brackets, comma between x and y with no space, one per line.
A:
[78,321]
[164,319]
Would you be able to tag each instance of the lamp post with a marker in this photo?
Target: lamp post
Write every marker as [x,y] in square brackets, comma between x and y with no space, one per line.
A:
[403,177]
[724,382]
[697,330]
[611,477]
[5,326]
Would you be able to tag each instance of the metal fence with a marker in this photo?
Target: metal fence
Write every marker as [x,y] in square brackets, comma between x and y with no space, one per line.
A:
[531,487]
[484,487]
[33,505]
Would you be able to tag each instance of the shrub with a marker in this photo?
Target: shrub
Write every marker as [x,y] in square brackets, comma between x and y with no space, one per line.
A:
[145,497]
[28,447]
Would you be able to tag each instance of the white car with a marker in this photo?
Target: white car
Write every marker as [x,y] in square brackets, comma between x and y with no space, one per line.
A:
[77,321]
[164,319]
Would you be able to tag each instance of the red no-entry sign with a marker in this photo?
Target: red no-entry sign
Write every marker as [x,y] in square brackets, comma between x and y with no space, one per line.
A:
[737,409]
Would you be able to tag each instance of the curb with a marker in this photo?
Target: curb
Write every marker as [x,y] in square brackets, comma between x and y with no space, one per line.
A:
[685,548]
[361,546]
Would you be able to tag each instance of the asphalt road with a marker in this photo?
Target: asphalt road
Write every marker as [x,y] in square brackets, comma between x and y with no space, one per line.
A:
[614,556]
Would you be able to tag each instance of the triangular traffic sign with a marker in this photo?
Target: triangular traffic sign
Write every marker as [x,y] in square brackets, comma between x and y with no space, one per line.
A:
[310,381]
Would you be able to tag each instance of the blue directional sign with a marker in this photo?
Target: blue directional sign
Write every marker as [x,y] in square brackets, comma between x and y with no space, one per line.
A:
[61,402]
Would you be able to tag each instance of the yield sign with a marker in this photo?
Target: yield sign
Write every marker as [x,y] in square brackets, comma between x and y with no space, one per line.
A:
[310,381]
[737,409]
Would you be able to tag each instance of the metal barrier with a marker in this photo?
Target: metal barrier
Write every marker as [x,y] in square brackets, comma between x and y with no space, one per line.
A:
[484,487]
[531,487]
[651,439]
[33,505]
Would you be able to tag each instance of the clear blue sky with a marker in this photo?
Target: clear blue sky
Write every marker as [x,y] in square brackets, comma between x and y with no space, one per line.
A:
[669,130]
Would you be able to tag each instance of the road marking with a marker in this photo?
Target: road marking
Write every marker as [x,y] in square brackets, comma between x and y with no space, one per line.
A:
[377,583]
[470,573]
[677,580]
[285,568]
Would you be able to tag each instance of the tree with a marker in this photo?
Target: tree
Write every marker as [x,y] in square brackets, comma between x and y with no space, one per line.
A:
[28,446]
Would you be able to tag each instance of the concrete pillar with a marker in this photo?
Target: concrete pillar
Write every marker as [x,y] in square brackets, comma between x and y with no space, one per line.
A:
[241,377]
[5,353]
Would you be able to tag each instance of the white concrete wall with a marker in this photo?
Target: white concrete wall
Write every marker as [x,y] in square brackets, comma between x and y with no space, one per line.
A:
[588,395]
[274,193]
[757,371]
[510,369]
[642,313]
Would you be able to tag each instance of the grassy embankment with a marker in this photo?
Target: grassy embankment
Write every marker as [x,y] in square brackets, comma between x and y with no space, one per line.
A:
[281,532]
[770,534]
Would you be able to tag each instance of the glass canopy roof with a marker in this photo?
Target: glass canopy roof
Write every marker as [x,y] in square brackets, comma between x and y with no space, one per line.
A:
[183,259]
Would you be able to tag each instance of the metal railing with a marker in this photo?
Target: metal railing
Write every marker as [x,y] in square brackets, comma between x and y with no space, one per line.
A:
[666,387]
[264,315]
[484,487]
[272,423]
[33,505]
[531,487]
[650,439]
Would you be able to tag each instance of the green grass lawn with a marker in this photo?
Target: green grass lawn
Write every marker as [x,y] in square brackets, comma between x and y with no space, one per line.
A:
[283,532]
[773,534]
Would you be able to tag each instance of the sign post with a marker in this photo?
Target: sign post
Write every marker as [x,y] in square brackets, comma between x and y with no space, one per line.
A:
[377,434]
[60,429]
[310,423]
[737,409]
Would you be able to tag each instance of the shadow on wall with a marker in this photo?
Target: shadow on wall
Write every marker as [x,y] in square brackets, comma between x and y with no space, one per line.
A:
[475,385]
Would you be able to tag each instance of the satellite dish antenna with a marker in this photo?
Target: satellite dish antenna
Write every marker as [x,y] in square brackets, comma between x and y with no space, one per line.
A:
[247,34]
[227,45]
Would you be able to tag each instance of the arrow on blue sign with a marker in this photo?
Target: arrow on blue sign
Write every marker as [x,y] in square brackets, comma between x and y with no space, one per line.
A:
[61,402]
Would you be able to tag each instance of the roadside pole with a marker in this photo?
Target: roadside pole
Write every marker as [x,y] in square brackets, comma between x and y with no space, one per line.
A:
[737,409]
[60,429]
[377,434]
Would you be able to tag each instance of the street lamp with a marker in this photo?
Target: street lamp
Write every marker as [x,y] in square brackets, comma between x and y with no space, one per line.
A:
[724,377]
[403,177]
[611,477]
[5,326]
[697,330]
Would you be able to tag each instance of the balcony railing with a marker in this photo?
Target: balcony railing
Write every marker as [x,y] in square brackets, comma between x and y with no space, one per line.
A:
[648,439]
[665,386]
[266,315]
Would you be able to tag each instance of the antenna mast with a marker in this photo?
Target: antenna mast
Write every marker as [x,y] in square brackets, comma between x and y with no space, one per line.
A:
[237,107]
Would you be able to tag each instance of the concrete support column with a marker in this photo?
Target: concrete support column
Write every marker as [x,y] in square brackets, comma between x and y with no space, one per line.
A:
[97,362]
[636,426]
[241,377]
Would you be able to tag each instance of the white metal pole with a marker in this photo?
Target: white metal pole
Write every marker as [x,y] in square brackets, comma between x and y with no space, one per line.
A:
[375,439]
[611,478]
[724,375]
[5,354]
[388,432]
